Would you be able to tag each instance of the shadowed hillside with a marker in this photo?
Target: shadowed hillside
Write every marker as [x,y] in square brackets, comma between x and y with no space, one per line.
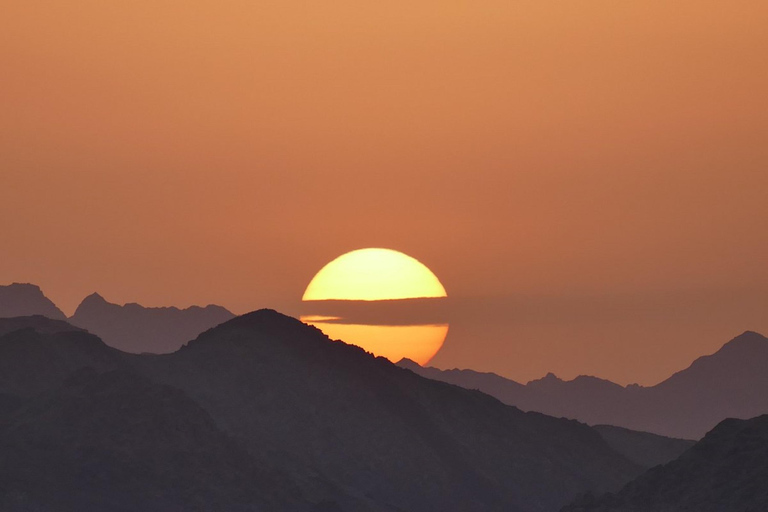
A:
[269,401]
[730,383]
[726,471]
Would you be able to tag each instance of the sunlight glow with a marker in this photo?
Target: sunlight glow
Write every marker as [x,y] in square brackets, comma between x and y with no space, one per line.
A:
[374,274]
[419,343]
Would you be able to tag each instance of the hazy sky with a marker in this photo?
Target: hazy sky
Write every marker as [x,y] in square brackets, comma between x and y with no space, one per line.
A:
[593,173]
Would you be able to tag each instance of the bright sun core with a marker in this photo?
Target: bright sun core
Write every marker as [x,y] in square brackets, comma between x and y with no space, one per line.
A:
[374,274]
[379,275]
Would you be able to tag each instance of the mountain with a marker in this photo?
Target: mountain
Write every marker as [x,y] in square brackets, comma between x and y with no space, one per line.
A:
[25,300]
[135,328]
[266,413]
[115,441]
[643,448]
[732,383]
[726,471]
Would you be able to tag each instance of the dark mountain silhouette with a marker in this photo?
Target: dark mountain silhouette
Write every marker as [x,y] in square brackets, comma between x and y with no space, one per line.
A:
[726,471]
[115,441]
[25,300]
[266,413]
[732,383]
[646,449]
[135,328]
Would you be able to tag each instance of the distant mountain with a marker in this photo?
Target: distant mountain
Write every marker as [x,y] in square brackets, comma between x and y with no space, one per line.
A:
[726,471]
[25,300]
[266,413]
[732,383]
[135,328]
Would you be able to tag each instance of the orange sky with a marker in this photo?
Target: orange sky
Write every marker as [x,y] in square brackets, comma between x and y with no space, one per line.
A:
[193,152]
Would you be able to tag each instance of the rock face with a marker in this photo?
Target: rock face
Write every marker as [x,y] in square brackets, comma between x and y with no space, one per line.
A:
[135,328]
[266,413]
[25,300]
[732,383]
[725,471]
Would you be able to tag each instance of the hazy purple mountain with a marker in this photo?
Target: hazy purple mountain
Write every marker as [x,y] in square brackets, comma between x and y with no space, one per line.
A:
[19,299]
[135,328]
[726,471]
[266,413]
[732,383]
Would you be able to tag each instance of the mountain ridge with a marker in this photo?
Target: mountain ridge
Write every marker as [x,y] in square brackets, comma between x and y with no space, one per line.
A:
[339,428]
[686,405]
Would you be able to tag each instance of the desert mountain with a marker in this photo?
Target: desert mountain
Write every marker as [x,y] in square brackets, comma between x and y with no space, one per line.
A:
[726,471]
[266,413]
[115,441]
[732,383]
[643,448]
[135,328]
[25,300]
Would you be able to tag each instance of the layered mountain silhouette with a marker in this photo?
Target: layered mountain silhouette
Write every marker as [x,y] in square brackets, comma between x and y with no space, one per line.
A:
[266,413]
[732,383]
[135,328]
[19,299]
[131,327]
[726,471]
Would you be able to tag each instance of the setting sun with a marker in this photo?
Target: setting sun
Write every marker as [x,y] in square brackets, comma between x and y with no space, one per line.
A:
[374,274]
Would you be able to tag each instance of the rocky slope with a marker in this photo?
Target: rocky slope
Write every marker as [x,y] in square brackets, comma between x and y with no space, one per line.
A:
[726,471]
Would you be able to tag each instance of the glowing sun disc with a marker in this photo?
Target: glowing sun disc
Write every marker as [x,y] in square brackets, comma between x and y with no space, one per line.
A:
[374,274]
[418,343]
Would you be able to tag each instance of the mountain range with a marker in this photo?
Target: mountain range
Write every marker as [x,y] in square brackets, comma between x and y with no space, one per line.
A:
[266,413]
[130,327]
[732,383]
[729,383]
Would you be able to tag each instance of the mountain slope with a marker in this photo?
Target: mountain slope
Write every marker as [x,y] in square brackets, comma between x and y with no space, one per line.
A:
[730,383]
[726,471]
[360,432]
[643,448]
[25,300]
[135,328]
[117,442]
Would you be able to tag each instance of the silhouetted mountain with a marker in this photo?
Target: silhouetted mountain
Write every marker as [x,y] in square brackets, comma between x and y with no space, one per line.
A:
[647,450]
[25,300]
[135,328]
[38,354]
[732,383]
[267,412]
[117,442]
[358,431]
[726,471]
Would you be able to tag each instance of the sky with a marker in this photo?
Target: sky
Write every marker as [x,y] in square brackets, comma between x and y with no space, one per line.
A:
[587,179]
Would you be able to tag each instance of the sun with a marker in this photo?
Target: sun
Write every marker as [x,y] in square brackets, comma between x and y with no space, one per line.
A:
[374,274]
[371,275]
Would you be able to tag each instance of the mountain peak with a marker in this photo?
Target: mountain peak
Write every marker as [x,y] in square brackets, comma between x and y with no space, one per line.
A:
[25,299]
[408,364]
[269,322]
[748,339]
